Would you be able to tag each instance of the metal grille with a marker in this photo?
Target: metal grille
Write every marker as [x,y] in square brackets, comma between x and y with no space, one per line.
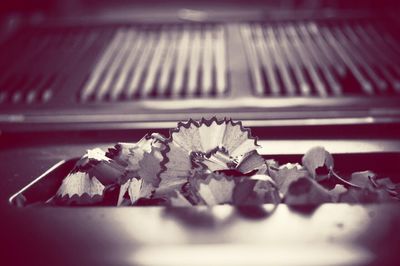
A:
[321,58]
[114,63]
[167,61]
[39,62]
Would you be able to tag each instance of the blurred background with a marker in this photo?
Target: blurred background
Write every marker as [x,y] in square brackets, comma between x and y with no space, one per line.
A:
[86,64]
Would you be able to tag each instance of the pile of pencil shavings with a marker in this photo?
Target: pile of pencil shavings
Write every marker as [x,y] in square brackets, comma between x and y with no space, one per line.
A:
[211,162]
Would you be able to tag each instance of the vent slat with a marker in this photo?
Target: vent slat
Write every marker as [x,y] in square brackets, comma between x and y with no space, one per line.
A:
[194,63]
[322,62]
[332,56]
[116,62]
[267,65]
[385,53]
[124,72]
[294,62]
[347,58]
[359,58]
[100,67]
[281,61]
[324,58]
[308,63]
[220,61]
[253,61]
[190,60]
[181,62]
[133,87]
[384,38]
[368,59]
[154,65]
[207,60]
[167,66]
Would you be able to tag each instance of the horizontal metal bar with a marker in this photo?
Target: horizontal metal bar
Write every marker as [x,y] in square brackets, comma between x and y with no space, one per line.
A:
[124,121]
[296,146]
[299,146]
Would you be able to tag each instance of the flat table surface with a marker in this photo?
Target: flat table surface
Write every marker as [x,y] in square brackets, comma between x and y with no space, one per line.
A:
[331,234]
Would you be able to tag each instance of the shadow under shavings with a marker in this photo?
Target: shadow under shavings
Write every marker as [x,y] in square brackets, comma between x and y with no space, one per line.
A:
[305,210]
[193,217]
[204,217]
[255,212]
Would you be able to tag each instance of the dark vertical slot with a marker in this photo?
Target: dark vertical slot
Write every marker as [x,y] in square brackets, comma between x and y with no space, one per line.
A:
[350,84]
[313,90]
[279,77]
[297,90]
[266,82]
